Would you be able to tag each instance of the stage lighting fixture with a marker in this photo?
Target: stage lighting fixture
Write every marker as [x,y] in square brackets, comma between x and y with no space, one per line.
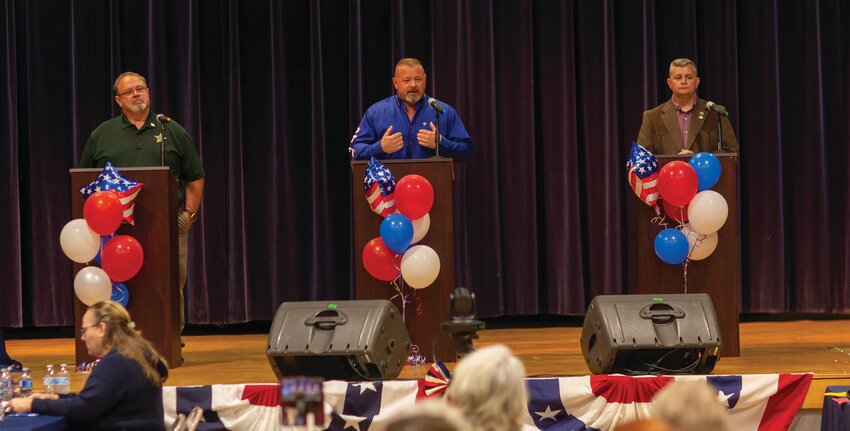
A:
[463,327]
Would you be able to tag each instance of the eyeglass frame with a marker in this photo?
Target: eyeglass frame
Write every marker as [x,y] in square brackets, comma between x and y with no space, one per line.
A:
[84,329]
[132,91]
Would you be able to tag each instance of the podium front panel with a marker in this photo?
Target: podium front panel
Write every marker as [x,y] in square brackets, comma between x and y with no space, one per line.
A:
[427,307]
[719,275]
[154,295]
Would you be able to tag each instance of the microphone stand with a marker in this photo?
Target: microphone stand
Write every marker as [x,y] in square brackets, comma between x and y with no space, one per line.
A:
[162,143]
[719,132]
[437,137]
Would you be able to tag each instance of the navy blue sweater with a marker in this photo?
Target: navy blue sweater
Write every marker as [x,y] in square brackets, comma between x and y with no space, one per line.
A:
[117,396]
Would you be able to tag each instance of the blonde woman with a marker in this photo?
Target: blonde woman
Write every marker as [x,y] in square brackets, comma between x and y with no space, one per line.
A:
[124,391]
[691,406]
[488,387]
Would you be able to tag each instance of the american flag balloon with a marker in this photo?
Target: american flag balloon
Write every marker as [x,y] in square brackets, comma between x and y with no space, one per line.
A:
[112,180]
[642,169]
[380,188]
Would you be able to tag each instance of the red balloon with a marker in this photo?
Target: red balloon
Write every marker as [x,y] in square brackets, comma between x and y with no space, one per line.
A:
[122,258]
[414,196]
[381,262]
[677,183]
[103,212]
[680,214]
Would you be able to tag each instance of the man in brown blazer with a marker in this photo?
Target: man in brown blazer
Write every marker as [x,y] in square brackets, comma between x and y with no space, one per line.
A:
[684,125]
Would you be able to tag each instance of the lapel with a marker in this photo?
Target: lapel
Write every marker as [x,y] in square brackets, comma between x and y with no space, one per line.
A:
[698,117]
[668,115]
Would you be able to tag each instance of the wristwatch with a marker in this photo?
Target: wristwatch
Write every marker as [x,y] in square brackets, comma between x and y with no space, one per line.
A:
[193,215]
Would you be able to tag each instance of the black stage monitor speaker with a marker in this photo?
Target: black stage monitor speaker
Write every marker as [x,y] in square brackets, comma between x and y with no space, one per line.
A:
[347,340]
[651,334]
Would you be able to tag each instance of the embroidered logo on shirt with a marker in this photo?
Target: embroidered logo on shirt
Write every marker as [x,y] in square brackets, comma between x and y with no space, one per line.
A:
[701,115]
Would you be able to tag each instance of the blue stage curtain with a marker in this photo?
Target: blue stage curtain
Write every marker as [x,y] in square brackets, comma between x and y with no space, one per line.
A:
[552,92]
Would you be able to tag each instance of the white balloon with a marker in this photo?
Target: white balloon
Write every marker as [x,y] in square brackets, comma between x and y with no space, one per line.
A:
[78,241]
[420,228]
[707,212]
[700,246]
[420,266]
[92,285]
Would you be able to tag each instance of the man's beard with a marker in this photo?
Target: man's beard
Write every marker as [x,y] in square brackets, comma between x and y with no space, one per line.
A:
[412,98]
[137,107]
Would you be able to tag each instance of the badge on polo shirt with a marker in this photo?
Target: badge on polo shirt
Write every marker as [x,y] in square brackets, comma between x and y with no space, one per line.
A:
[158,138]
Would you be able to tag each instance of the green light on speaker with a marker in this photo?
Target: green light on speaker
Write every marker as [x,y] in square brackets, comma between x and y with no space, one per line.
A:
[657,299]
[332,306]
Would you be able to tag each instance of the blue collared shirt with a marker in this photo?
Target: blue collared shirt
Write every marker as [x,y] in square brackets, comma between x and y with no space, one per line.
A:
[366,142]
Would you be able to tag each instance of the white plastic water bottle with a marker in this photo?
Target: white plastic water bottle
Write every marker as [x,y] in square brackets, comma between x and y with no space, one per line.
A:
[7,385]
[63,380]
[49,375]
[25,382]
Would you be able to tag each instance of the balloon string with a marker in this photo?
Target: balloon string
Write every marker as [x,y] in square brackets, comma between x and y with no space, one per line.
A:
[685,273]
[697,242]
[398,285]
[660,220]
[420,307]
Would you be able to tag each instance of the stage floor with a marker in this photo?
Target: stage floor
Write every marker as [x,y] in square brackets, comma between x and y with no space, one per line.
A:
[820,347]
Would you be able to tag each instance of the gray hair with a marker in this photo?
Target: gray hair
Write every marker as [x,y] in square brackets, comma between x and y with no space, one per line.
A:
[488,387]
[409,62]
[124,75]
[432,415]
[691,406]
[683,62]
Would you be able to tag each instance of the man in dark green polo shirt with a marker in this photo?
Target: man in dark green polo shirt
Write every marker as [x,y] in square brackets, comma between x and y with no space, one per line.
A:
[133,139]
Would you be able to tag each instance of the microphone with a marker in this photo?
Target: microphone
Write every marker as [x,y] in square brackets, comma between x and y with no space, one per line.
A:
[720,109]
[433,102]
[163,119]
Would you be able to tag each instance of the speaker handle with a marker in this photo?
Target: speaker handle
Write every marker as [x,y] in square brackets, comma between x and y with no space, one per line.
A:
[327,319]
[661,313]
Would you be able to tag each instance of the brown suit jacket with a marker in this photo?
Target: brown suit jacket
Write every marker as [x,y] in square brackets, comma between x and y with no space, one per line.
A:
[659,132]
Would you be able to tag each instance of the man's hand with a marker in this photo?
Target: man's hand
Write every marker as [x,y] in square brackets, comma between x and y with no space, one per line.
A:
[426,137]
[686,153]
[391,143]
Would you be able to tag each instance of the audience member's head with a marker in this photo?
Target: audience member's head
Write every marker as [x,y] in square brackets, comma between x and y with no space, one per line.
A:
[432,415]
[645,425]
[488,387]
[107,325]
[691,406]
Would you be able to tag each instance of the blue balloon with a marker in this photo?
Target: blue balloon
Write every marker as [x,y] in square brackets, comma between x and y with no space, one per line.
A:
[397,232]
[120,293]
[103,240]
[708,170]
[671,246]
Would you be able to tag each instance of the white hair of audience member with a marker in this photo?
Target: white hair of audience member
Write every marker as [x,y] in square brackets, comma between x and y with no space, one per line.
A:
[691,405]
[488,387]
[428,415]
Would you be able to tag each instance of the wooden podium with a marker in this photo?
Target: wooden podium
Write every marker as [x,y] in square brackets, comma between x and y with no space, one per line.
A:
[154,295]
[718,275]
[428,307]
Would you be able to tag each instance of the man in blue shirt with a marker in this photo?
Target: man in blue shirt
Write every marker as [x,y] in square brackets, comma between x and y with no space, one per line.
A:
[402,126]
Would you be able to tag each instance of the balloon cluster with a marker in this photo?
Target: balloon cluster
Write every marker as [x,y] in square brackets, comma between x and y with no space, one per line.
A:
[395,253]
[686,198]
[92,239]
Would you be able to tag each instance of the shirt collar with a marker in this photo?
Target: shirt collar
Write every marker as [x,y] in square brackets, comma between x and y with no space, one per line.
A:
[679,108]
[148,121]
[419,105]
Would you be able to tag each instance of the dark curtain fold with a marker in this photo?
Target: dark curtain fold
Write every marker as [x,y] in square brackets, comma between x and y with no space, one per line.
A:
[551,91]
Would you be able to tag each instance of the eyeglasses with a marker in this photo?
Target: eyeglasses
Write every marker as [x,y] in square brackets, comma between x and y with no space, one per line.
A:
[407,81]
[130,92]
[83,329]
